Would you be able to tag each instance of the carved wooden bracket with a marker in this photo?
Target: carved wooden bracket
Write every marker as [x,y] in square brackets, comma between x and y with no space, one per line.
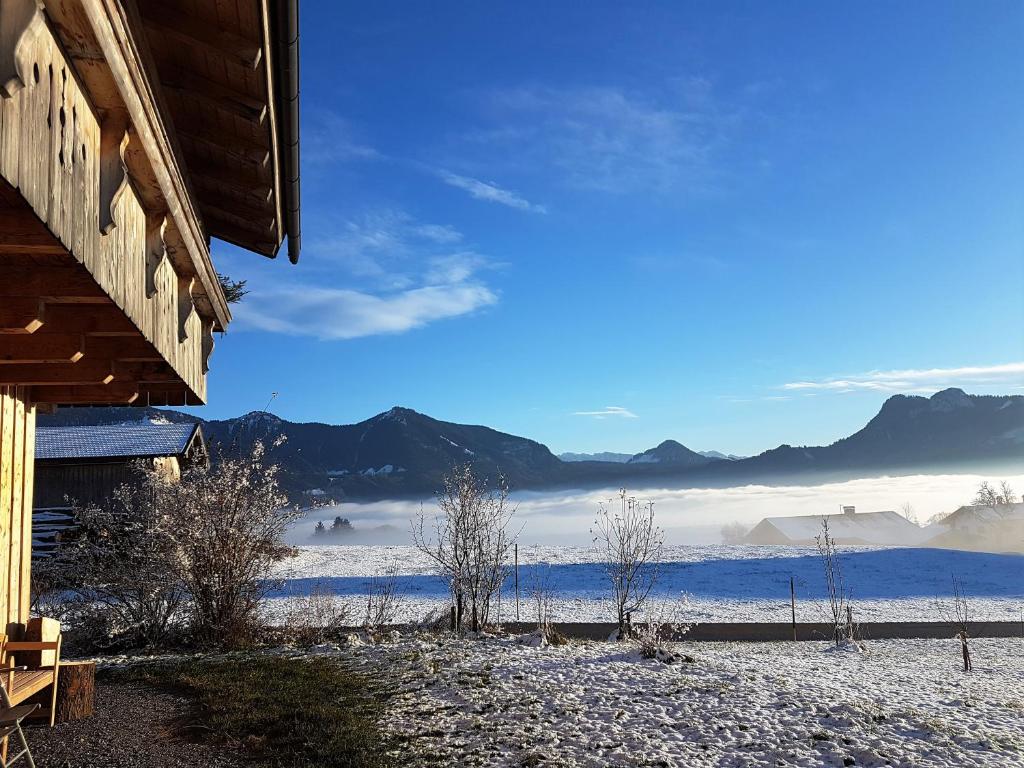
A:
[113,172]
[186,306]
[20,22]
[207,350]
[156,249]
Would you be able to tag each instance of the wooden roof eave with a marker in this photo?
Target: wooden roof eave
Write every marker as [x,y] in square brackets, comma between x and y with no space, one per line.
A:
[113,28]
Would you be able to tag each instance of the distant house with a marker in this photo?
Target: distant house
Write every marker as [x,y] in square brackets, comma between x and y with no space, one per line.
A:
[980,527]
[850,527]
[86,464]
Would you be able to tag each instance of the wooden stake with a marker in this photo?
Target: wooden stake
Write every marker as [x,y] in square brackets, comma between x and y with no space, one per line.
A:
[792,604]
[517,583]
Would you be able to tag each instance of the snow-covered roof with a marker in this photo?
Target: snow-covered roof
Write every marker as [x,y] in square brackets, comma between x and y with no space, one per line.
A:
[885,527]
[109,440]
[981,514]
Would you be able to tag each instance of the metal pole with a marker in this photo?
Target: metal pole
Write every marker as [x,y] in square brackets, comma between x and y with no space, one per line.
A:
[792,603]
[517,583]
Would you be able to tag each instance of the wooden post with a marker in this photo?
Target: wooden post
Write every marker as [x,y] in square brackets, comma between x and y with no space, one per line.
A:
[792,604]
[517,583]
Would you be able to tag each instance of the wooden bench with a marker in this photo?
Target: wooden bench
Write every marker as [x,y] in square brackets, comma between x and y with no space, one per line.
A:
[33,664]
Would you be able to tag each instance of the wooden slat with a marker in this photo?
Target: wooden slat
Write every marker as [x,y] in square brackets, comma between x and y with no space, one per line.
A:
[20,315]
[38,348]
[26,510]
[109,394]
[7,403]
[215,40]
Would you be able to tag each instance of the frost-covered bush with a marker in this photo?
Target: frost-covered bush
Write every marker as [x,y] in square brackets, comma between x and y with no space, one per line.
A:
[318,617]
[629,545]
[470,543]
[663,623]
[383,600]
[162,556]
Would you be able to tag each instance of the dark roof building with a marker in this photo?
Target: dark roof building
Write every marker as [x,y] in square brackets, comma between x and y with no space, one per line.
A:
[86,464]
[116,440]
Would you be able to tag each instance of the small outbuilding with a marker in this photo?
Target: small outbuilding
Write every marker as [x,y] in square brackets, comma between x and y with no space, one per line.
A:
[85,464]
[850,527]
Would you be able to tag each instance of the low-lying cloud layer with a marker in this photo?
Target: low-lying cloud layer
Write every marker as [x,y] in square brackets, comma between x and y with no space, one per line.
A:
[694,515]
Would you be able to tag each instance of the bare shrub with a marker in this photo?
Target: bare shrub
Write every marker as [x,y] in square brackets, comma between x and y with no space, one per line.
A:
[663,622]
[163,554]
[318,616]
[112,577]
[957,615]
[228,524]
[629,545]
[541,590]
[841,611]
[383,600]
[470,542]
[734,533]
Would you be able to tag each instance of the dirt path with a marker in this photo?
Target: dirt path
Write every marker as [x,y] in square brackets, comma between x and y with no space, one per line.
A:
[134,727]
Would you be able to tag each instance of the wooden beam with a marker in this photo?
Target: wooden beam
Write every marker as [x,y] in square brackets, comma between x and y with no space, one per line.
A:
[34,348]
[20,315]
[64,284]
[146,373]
[241,237]
[245,149]
[21,232]
[128,350]
[204,34]
[159,395]
[259,224]
[108,394]
[61,374]
[213,94]
[212,187]
[90,319]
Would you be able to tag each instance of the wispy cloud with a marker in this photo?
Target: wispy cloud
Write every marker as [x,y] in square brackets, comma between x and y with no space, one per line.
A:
[614,139]
[608,411]
[337,313]
[327,137]
[916,380]
[488,190]
[380,273]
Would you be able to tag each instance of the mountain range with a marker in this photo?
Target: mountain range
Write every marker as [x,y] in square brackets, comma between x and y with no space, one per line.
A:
[405,453]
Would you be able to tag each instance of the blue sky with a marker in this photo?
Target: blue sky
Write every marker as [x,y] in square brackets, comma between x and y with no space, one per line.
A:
[601,225]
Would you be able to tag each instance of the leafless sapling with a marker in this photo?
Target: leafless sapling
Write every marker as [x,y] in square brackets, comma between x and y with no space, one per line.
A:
[958,615]
[629,545]
[838,595]
[383,599]
[470,543]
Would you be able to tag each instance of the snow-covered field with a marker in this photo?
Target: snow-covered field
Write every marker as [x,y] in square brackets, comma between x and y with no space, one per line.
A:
[496,702]
[720,583]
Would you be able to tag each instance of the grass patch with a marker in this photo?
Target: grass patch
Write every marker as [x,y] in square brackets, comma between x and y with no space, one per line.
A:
[283,713]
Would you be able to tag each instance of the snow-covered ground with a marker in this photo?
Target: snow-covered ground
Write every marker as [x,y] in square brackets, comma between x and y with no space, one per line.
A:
[720,583]
[902,703]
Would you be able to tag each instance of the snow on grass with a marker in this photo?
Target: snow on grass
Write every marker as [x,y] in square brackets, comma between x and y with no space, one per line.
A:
[904,702]
[722,583]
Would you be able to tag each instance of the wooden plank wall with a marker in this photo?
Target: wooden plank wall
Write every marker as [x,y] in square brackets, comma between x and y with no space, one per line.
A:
[17,460]
[71,168]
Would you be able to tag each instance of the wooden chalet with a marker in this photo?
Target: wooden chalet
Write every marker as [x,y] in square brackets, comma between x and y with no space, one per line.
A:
[131,133]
